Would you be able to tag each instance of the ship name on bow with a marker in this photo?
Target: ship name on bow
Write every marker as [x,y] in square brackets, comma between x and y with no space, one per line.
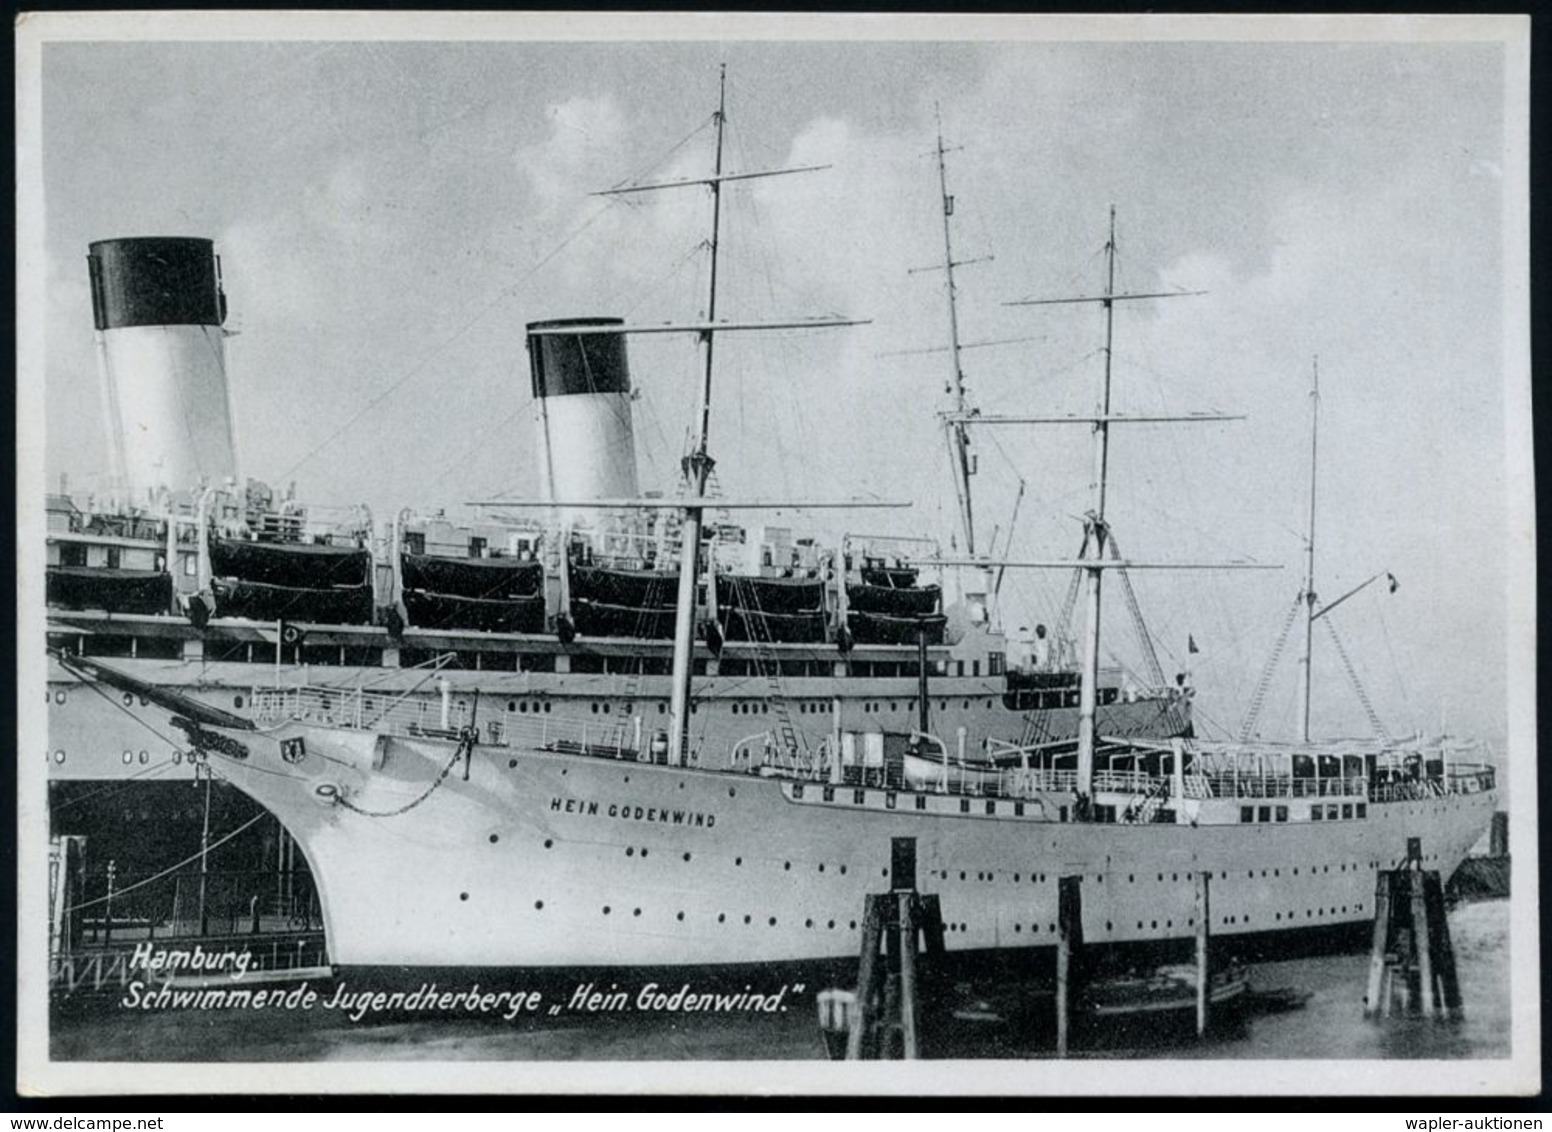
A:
[626,812]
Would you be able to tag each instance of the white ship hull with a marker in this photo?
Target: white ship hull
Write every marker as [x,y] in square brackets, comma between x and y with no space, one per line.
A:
[551,860]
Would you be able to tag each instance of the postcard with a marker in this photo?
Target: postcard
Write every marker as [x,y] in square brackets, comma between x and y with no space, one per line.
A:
[650,552]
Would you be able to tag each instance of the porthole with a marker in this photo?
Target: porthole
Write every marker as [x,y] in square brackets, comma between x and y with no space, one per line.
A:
[831,925]
[177,757]
[463,896]
[237,701]
[732,791]
[59,697]
[738,860]
[538,905]
[59,756]
[643,851]
[511,764]
[637,912]
[821,866]
[786,867]
[511,705]
[128,699]
[843,870]
[145,757]
[721,917]
[606,909]
[495,837]
[630,851]
[680,916]
[128,757]
[686,856]
[748,919]
[548,843]
[854,925]
[773,921]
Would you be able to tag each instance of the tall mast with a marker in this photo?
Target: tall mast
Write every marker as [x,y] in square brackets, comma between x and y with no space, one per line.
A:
[698,464]
[698,467]
[1095,534]
[958,434]
[1305,672]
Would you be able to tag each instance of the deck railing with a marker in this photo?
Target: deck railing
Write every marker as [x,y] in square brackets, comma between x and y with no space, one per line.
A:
[626,738]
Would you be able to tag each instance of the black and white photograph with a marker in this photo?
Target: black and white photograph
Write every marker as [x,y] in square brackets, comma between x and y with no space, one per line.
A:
[731,554]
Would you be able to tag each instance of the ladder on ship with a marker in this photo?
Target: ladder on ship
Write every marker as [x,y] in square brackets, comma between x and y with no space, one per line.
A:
[767,664]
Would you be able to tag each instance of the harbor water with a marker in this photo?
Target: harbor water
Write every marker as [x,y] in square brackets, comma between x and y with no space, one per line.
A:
[625,1026]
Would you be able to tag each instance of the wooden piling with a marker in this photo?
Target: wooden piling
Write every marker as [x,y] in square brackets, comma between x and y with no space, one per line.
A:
[909,1003]
[1411,955]
[867,976]
[1203,914]
[1442,947]
[1377,1001]
[1427,1000]
[889,996]
[1069,946]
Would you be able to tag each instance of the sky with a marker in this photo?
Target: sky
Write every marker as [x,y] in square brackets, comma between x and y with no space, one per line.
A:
[390,214]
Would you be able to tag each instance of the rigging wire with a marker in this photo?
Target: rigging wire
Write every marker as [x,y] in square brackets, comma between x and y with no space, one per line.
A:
[119,892]
[420,367]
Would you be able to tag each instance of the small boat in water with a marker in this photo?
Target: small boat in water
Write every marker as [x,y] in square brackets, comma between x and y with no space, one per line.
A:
[1163,990]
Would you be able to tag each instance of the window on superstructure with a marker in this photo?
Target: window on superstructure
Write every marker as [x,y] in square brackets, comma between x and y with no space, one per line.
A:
[1264,813]
[476,547]
[1316,814]
[72,554]
[159,648]
[994,664]
[1362,811]
[115,557]
[414,542]
[1347,811]
[975,668]
[1282,813]
[1247,813]
[921,801]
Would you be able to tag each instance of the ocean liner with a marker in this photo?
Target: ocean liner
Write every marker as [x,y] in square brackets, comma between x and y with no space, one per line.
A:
[190,578]
[478,828]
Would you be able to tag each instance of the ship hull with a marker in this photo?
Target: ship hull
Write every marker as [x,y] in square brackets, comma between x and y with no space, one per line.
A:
[546,860]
